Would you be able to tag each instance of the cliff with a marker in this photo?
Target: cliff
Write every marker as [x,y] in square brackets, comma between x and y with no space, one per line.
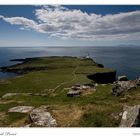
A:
[103,77]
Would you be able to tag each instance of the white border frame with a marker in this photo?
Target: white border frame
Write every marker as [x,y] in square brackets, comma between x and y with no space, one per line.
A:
[70,133]
[68,2]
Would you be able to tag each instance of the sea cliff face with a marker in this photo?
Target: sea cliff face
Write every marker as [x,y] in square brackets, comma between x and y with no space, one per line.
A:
[104,77]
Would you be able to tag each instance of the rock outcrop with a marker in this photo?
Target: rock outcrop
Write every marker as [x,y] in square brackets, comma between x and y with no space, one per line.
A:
[122,78]
[42,118]
[120,87]
[21,109]
[83,89]
[104,77]
[138,81]
[131,116]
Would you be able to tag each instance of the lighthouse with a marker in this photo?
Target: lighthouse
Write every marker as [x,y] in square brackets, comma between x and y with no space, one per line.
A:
[88,56]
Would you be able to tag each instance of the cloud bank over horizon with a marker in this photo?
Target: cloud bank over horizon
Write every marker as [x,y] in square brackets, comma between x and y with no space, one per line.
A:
[64,23]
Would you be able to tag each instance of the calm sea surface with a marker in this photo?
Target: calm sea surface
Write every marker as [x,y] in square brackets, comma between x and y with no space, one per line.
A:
[126,60]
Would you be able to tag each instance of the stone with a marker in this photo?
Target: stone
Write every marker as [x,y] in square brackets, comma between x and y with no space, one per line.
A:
[82,87]
[122,78]
[7,95]
[41,117]
[29,93]
[131,116]
[44,95]
[138,81]
[116,116]
[120,87]
[72,93]
[28,125]
[21,109]
[37,94]
[96,84]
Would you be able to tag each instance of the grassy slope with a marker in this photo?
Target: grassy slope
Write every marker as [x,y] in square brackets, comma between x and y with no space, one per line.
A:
[48,87]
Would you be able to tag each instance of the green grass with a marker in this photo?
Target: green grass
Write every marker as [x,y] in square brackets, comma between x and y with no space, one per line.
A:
[59,70]
[5,107]
[98,118]
[11,118]
[96,107]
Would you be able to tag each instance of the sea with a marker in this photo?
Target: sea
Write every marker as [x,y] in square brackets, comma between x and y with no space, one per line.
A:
[124,59]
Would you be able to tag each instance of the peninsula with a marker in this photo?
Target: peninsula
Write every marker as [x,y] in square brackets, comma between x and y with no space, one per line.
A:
[66,91]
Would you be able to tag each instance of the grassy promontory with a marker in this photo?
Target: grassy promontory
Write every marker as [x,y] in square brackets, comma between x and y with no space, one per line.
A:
[46,81]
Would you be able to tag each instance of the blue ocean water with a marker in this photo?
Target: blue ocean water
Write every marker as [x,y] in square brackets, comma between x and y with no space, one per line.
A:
[126,60]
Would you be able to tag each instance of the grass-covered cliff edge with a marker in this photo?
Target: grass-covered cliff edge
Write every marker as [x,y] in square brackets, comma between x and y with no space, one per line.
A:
[45,81]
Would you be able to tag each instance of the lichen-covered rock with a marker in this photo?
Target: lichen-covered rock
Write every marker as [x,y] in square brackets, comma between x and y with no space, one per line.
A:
[122,78]
[41,117]
[121,86]
[21,109]
[131,116]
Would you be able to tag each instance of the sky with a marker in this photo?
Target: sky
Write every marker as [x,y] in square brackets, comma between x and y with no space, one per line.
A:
[69,25]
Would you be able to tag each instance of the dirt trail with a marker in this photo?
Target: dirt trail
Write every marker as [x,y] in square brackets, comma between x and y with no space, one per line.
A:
[74,77]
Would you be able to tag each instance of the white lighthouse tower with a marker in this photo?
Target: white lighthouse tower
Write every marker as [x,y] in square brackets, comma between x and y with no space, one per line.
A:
[88,56]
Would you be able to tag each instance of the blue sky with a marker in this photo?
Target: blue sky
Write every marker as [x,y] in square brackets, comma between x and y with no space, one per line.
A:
[71,25]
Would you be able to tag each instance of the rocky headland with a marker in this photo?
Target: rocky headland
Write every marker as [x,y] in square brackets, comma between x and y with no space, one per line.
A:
[67,92]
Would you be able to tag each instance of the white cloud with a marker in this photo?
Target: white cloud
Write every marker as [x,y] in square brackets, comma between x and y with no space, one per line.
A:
[23,22]
[1,17]
[59,21]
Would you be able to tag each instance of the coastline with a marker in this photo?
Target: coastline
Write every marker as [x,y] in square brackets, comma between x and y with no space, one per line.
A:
[110,76]
[118,58]
[66,91]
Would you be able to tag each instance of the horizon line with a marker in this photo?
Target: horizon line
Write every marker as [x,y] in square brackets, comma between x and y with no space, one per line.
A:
[73,45]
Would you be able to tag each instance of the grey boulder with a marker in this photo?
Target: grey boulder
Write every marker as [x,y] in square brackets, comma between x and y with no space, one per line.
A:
[41,117]
[131,116]
[138,81]
[122,86]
